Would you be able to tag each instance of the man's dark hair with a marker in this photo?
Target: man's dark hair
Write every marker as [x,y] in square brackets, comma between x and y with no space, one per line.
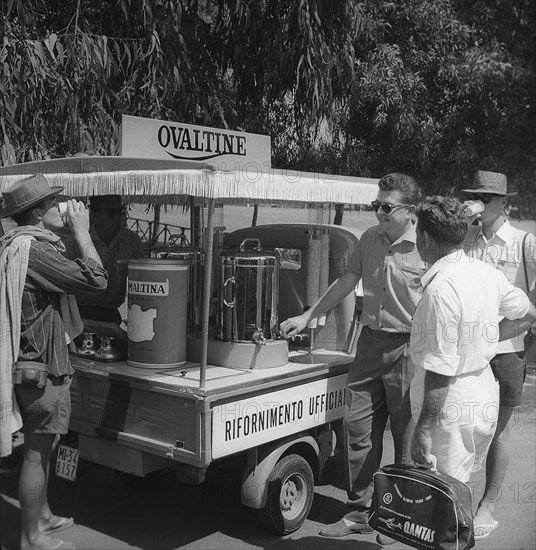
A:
[406,185]
[26,217]
[443,219]
[96,200]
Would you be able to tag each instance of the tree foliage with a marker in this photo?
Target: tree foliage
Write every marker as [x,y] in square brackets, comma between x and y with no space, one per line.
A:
[438,88]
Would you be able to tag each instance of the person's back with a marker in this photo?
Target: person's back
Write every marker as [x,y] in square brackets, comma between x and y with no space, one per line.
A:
[455,333]
[472,294]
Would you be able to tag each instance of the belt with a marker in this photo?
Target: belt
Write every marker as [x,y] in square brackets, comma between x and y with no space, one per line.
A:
[387,333]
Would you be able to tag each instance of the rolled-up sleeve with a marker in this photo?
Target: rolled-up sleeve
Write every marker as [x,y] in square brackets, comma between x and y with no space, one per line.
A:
[355,264]
[50,270]
[515,303]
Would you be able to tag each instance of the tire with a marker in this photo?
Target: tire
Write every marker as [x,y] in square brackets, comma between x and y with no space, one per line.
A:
[290,495]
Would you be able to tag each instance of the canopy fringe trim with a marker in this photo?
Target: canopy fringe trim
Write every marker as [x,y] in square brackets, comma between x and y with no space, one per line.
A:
[175,186]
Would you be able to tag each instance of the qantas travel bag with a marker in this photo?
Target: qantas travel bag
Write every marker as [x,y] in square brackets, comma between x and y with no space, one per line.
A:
[422,508]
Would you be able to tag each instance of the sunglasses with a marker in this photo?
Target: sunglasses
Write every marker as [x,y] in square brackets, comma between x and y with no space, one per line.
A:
[111,212]
[485,198]
[385,206]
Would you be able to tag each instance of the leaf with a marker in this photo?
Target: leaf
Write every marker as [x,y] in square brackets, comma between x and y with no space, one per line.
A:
[105,51]
[39,50]
[34,60]
[152,45]
[50,42]
[69,49]
[128,56]
[12,123]
[60,50]
[298,72]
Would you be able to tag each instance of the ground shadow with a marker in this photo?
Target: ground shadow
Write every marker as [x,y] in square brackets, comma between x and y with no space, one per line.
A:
[9,524]
[164,514]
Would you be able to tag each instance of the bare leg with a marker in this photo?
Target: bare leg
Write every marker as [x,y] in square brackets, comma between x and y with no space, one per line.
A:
[32,488]
[496,466]
[47,517]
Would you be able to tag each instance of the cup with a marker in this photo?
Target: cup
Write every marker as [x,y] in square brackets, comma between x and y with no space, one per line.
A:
[62,207]
[474,208]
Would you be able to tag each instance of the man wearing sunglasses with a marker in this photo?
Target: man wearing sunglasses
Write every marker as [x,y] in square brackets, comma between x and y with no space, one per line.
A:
[496,242]
[387,262]
[116,245]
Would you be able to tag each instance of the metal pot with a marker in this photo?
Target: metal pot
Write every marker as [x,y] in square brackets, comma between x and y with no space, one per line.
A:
[195,256]
[249,294]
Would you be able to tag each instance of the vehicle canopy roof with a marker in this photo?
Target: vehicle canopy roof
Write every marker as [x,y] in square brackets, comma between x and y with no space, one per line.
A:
[175,182]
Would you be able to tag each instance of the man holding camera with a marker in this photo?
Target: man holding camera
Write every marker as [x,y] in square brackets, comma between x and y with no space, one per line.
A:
[513,252]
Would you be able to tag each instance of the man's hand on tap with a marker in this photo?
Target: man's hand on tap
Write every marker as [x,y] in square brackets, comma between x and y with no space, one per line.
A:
[294,325]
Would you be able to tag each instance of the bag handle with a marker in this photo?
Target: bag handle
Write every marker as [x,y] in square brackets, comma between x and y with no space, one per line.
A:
[524,259]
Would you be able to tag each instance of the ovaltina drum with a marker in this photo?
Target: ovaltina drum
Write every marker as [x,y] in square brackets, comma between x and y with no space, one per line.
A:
[157,306]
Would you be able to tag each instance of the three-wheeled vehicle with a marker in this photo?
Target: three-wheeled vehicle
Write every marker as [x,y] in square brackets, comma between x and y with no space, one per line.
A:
[207,375]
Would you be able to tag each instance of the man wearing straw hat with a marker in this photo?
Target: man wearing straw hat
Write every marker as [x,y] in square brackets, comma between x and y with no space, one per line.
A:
[386,260]
[513,252]
[39,317]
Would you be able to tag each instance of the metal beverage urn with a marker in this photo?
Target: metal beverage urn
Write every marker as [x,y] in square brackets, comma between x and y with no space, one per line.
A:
[249,294]
[195,256]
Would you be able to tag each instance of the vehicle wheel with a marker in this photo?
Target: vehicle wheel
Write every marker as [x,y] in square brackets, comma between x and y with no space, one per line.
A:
[290,495]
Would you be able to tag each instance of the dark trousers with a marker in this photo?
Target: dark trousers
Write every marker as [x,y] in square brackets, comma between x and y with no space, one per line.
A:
[377,388]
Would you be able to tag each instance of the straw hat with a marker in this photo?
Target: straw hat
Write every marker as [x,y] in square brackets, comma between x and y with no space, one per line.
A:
[490,183]
[26,193]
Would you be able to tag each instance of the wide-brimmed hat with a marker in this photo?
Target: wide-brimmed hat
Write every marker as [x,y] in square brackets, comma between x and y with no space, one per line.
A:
[26,193]
[489,183]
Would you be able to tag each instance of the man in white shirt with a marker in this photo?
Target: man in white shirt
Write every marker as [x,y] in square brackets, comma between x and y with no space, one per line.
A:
[454,336]
[513,252]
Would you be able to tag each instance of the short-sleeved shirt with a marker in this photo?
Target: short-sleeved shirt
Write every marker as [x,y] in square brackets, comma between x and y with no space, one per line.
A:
[455,333]
[50,275]
[124,246]
[455,327]
[391,276]
[504,252]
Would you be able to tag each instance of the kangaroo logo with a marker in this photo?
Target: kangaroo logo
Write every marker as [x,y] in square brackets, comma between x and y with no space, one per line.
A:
[390,523]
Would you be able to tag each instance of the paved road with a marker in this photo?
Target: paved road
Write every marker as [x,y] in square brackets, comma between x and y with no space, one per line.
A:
[164,514]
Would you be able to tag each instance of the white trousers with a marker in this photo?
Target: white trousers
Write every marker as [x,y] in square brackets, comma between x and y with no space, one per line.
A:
[461,439]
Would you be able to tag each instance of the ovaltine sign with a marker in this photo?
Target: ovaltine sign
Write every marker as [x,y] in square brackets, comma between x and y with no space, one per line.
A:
[158,139]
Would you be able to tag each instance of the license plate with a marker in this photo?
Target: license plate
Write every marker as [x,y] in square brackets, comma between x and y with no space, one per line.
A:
[67,462]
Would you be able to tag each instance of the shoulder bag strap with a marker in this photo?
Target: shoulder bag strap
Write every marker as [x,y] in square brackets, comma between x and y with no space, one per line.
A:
[525,260]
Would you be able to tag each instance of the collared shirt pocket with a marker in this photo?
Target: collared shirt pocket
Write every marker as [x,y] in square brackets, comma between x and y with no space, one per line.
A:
[510,269]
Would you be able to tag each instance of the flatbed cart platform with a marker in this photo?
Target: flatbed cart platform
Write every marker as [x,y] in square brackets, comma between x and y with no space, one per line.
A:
[140,420]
